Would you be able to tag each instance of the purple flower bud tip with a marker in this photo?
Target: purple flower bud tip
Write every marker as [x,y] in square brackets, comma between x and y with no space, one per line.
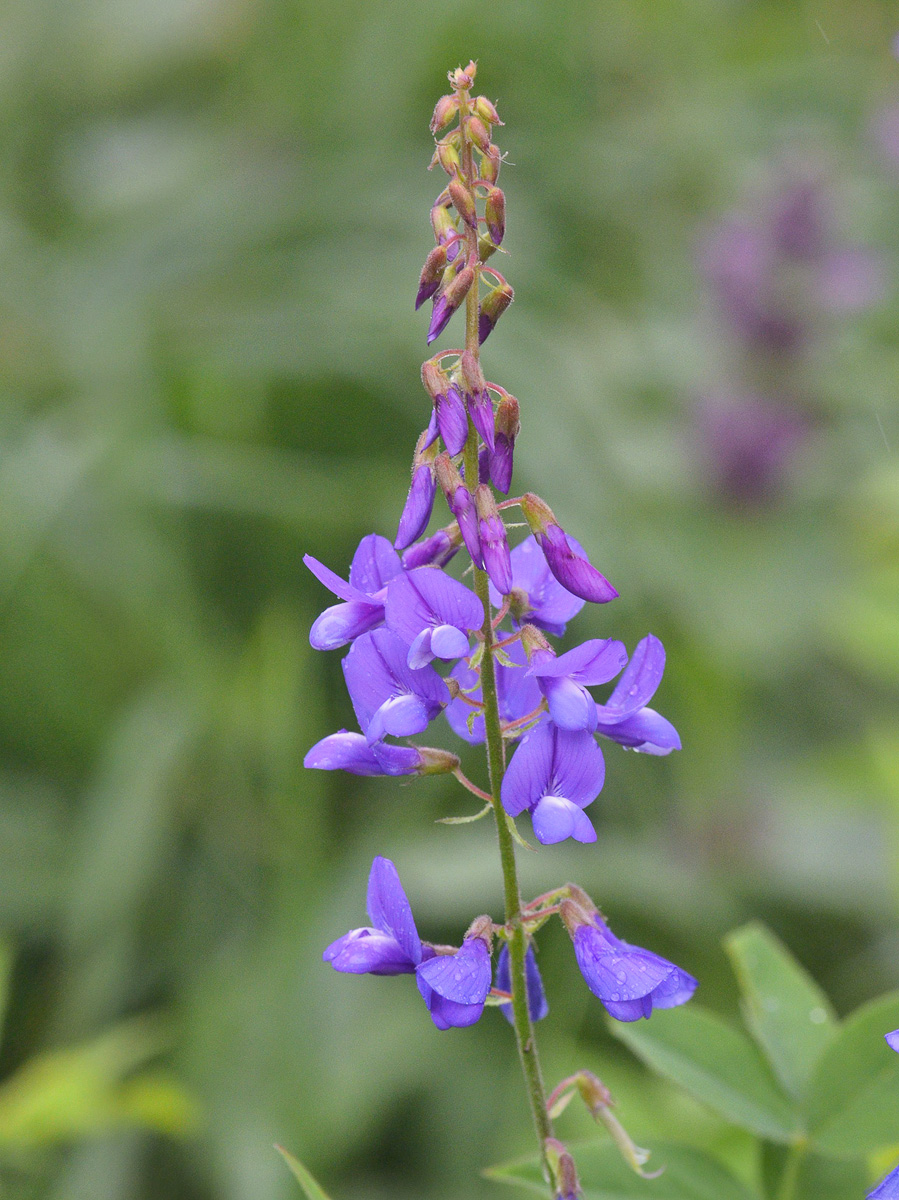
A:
[892,1040]
[440,318]
[485,328]
[425,292]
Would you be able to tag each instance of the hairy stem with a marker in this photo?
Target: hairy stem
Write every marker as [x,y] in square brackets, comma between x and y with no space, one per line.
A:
[496,765]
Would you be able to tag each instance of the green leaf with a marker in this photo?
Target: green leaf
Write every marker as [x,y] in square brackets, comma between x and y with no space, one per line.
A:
[305,1180]
[688,1175]
[717,1063]
[853,1101]
[786,1011]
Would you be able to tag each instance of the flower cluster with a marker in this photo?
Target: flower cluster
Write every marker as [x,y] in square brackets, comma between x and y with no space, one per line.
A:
[422,643]
[775,272]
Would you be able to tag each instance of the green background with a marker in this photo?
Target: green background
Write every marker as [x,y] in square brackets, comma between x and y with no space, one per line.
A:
[212,218]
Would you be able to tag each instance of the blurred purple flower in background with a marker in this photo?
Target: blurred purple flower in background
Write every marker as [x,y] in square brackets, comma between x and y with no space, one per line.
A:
[777,272]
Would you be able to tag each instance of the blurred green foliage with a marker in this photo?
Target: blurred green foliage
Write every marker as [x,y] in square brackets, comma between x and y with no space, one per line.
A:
[212,217]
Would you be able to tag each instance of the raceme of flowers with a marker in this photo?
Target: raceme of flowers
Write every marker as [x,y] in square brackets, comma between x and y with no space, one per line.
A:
[480,649]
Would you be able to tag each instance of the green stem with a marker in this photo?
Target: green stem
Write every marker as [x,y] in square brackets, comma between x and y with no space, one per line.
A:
[790,1178]
[496,764]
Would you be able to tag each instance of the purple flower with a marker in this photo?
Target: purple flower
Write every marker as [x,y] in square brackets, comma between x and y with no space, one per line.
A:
[388,696]
[462,507]
[537,1005]
[492,537]
[887,1189]
[564,556]
[892,1040]
[571,567]
[554,774]
[624,718]
[441,313]
[435,551]
[517,693]
[481,412]
[452,419]
[628,980]
[455,986]
[420,500]
[508,424]
[564,680]
[350,752]
[374,563]
[749,444]
[537,597]
[433,614]
[391,945]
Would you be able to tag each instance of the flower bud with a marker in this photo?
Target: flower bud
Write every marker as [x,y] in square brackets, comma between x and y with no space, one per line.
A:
[444,112]
[457,289]
[463,202]
[566,1185]
[420,501]
[478,133]
[490,164]
[436,550]
[461,505]
[494,544]
[477,398]
[442,222]
[448,156]
[486,111]
[507,429]
[493,306]
[449,300]
[431,274]
[495,211]
[436,762]
[463,79]
[564,556]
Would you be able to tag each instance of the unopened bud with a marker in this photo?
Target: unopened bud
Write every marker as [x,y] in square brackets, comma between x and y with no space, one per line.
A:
[436,762]
[463,201]
[486,111]
[448,155]
[493,306]
[478,133]
[456,290]
[495,212]
[444,112]
[507,428]
[537,513]
[491,160]
[566,1185]
[435,551]
[508,417]
[442,222]
[431,274]
[463,78]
